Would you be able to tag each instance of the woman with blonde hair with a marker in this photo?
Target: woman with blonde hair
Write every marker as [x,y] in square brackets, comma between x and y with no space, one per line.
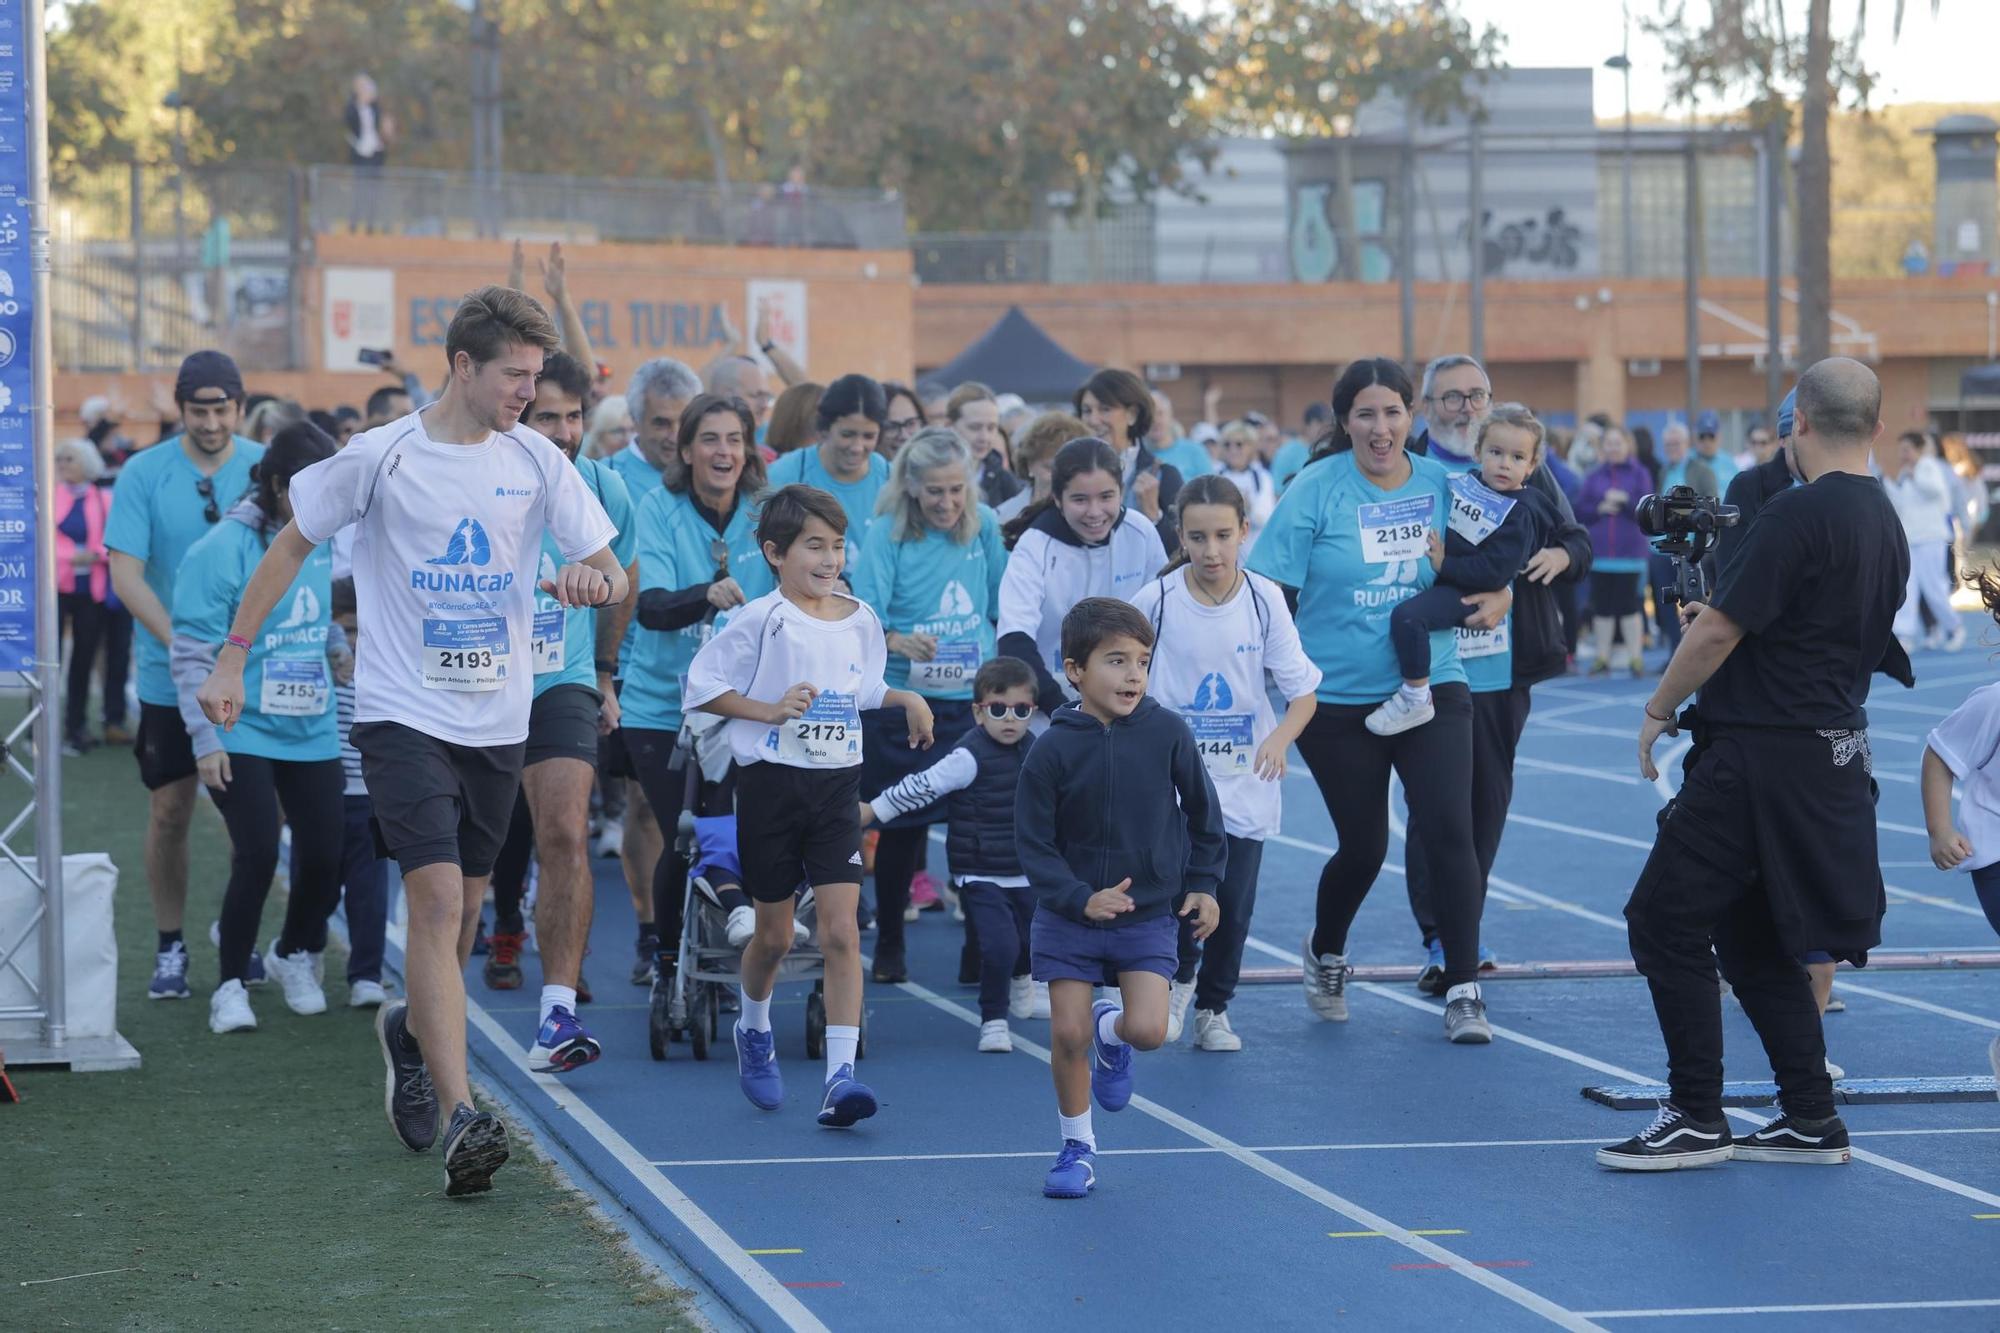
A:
[931,567]
[610,428]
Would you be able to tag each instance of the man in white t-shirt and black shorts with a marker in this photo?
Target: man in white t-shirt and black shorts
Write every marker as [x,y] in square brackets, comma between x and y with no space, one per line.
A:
[450,506]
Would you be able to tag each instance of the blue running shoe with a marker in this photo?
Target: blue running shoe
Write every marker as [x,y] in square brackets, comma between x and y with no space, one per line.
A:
[562,1044]
[847,1100]
[1074,1174]
[1430,981]
[170,975]
[1488,960]
[1110,1066]
[757,1069]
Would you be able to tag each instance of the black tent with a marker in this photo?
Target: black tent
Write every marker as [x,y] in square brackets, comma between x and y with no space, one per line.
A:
[1015,356]
[1980,382]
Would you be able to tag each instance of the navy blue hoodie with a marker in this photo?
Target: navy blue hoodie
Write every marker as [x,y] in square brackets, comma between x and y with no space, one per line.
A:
[1097,804]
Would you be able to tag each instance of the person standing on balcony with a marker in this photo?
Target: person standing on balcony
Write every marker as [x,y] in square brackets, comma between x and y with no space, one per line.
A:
[369,133]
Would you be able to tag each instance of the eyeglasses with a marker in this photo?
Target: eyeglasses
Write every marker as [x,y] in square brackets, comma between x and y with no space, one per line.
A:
[1451,400]
[1019,712]
[903,427]
[205,488]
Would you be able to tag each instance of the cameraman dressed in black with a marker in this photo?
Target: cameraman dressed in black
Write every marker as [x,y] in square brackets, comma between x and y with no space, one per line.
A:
[1769,848]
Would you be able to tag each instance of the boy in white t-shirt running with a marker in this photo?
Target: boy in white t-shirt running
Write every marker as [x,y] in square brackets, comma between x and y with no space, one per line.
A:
[793,671]
[449,506]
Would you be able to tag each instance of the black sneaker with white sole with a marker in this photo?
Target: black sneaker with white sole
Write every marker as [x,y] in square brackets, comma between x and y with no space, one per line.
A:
[474,1148]
[1789,1139]
[408,1098]
[1671,1142]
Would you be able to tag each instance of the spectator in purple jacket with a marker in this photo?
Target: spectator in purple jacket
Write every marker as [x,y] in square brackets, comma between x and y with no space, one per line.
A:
[1619,550]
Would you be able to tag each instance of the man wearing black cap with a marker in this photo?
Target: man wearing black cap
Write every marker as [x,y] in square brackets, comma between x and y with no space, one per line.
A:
[167,497]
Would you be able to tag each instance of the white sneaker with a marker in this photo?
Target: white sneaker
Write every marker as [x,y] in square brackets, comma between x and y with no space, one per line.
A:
[742,925]
[1021,997]
[1326,983]
[367,995]
[994,1038]
[912,913]
[610,838]
[1039,1006]
[254,976]
[1397,715]
[801,933]
[299,975]
[1213,1033]
[1955,640]
[1180,994]
[1834,1071]
[229,1009]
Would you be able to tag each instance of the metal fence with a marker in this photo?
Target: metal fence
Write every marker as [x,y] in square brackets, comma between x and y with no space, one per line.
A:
[589,209]
[151,263]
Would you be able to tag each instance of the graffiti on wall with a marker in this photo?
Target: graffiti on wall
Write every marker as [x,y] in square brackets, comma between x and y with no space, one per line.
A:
[1550,241]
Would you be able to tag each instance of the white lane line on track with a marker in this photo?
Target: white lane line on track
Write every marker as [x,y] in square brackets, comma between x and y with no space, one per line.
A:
[1042,1153]
[787,1307]
[1298,1184]
[1856,1306]
[1903,1169]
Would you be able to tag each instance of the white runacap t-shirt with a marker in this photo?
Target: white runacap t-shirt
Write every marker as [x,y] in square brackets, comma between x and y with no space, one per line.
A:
[448,540]
[770,645]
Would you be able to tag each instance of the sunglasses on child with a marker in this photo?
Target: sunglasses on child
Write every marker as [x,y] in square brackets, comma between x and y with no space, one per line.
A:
[1019,712]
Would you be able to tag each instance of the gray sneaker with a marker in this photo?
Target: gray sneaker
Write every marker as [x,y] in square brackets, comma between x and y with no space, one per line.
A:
[1465,1016]
[474,1148]
[1326,983]
[408,1097]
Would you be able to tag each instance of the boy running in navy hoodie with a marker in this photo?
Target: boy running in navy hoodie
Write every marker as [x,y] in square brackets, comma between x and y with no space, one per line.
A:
[1119,829]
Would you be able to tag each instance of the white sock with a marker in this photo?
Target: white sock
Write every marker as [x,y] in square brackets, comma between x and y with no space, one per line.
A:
[756,1015]
[1078,1127]
[841,1043]
[558,995]
[1416,694]
[1107,1029]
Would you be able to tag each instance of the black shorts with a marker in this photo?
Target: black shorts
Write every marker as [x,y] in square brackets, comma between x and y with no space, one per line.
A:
[797,826]
[563,725]
[435,802]
[166,755]
[1616,592]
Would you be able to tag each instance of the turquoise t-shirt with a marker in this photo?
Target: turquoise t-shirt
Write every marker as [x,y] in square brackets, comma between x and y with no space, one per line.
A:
[288,711]
[677,550]
[641,480]
[933,585]
[640,477]
[565,639]
[1488,655]
[856,497]
[1292,455]
[1354,550]
[158,511]
[1724,467]
[1187,457]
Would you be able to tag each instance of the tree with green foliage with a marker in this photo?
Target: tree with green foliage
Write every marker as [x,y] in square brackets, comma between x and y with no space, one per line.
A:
[1750,47]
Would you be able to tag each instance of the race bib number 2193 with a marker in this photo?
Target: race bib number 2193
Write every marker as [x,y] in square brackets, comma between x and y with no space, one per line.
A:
[466,655]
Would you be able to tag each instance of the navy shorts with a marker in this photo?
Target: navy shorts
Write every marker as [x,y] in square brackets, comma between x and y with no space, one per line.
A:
[1062,950]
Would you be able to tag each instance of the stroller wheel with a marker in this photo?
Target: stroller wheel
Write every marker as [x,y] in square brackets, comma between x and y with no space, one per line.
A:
[816,1024]
[658,1034]
[698,1033]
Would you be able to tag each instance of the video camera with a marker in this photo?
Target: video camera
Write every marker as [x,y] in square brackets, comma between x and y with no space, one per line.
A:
[1684,523]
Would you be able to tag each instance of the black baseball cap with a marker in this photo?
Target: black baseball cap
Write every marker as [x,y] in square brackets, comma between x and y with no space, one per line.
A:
[208,369]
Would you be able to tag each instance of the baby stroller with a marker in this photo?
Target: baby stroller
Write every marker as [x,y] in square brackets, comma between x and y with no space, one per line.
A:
[708,967]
